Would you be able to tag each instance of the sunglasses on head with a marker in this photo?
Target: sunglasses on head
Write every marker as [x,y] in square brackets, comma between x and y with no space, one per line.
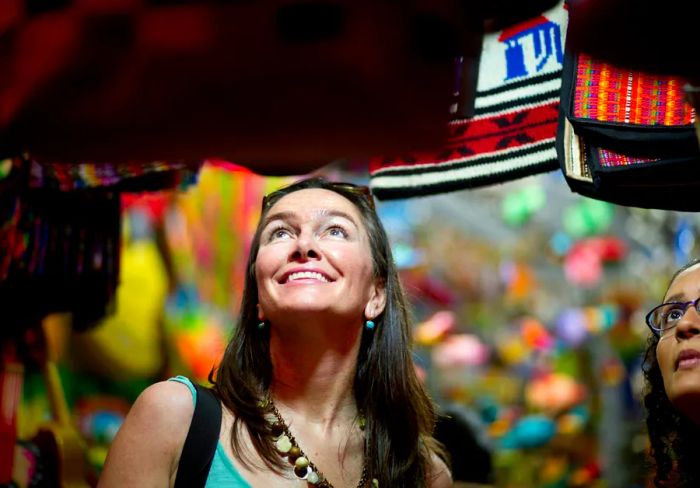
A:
[352,188]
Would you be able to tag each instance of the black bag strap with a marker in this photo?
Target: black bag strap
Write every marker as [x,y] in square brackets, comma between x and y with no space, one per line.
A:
[202,438]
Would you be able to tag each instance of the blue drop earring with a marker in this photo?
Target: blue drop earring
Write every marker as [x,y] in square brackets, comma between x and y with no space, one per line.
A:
[261,325]
[369,324]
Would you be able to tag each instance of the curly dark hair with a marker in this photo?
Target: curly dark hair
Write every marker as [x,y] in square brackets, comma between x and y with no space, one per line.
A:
[673,437]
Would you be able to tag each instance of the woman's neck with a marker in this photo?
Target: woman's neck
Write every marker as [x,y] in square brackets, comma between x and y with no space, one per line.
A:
[313,374]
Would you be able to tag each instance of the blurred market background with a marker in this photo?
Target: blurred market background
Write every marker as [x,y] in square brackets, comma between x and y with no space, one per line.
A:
[528,301]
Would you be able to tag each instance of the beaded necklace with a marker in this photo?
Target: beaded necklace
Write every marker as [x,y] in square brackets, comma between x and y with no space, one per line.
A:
[286,445]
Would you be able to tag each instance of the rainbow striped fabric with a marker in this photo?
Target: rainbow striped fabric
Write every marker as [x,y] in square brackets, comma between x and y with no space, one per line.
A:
[609,159]
[605,93]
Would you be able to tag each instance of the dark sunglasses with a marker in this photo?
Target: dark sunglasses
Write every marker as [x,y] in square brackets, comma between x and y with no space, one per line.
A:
[667,315]
[360,190]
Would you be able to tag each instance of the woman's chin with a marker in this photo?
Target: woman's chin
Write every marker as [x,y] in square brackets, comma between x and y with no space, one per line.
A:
[686,398]
[311,312]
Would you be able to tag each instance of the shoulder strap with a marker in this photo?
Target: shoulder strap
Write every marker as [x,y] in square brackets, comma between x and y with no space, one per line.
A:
[200,444]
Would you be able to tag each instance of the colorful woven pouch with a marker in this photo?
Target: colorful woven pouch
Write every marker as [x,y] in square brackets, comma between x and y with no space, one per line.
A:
[512,131]
[669,182]
[627,137]
[618,106]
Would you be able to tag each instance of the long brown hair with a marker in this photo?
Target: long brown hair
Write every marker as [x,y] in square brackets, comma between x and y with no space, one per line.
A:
[400,417]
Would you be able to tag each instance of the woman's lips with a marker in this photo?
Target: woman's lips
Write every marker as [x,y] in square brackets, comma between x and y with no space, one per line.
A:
[303,275]
[687,359]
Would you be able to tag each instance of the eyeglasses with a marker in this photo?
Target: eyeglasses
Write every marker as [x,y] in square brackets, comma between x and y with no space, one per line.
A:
[352,188]
[667,315]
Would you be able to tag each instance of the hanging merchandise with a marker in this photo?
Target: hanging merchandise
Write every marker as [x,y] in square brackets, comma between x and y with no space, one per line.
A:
[55,456]
[553,392]
[59,235]
[435,328]
[59,252]
[519,206]
[617,31]
[128,344]
[535,335]
[207,252]
[99,418]
[460,350]
[584,261]
[588,218]
[519,280]
[530,431]
[208,232]
[132,177]
[627,137]
[512,130]
[11,380]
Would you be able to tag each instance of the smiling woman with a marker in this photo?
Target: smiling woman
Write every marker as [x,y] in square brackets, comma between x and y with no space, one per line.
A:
[314,256]
[317,384]
[672,371]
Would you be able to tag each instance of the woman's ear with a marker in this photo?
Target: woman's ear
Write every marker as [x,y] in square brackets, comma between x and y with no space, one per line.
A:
[377,301]
[261,314]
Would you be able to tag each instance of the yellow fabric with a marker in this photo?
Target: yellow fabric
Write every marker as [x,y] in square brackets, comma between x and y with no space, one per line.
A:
[128,344]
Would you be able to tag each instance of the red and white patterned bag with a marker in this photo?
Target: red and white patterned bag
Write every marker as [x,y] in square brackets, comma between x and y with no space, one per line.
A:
[512,131]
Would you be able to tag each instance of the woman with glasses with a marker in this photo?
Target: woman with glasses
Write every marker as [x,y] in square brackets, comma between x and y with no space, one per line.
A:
[317,384]
[672,372]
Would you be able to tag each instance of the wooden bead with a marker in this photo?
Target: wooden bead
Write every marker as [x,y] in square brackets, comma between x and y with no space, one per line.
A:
[293,454]
[301,462]
[276,429]
[283,444]
[301,472]
[312,477]
[287,447]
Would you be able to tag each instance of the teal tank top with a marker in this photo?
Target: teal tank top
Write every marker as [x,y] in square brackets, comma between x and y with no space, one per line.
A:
[222,472]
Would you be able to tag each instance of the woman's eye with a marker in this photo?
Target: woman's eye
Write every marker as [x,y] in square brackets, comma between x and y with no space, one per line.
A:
[280,233]
[337,231]
[674,315]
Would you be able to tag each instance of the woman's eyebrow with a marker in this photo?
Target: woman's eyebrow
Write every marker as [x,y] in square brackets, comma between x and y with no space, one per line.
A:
[339,213]
[291,216]
[284,215]
[675,298]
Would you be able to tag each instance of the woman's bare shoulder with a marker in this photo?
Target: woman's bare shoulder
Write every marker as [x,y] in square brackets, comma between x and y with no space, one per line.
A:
[439,475]
[147,447]
[165,396]
[162,406]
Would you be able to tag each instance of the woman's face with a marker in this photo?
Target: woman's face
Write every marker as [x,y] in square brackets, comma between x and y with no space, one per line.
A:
[315,256]
[678,350]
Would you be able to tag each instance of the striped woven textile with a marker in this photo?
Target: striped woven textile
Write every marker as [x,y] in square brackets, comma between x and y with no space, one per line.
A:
[606,93]
[608,158]
[512,132]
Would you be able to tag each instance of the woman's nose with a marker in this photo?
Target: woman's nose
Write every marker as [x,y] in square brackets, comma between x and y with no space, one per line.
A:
[306,247]
[689,325]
